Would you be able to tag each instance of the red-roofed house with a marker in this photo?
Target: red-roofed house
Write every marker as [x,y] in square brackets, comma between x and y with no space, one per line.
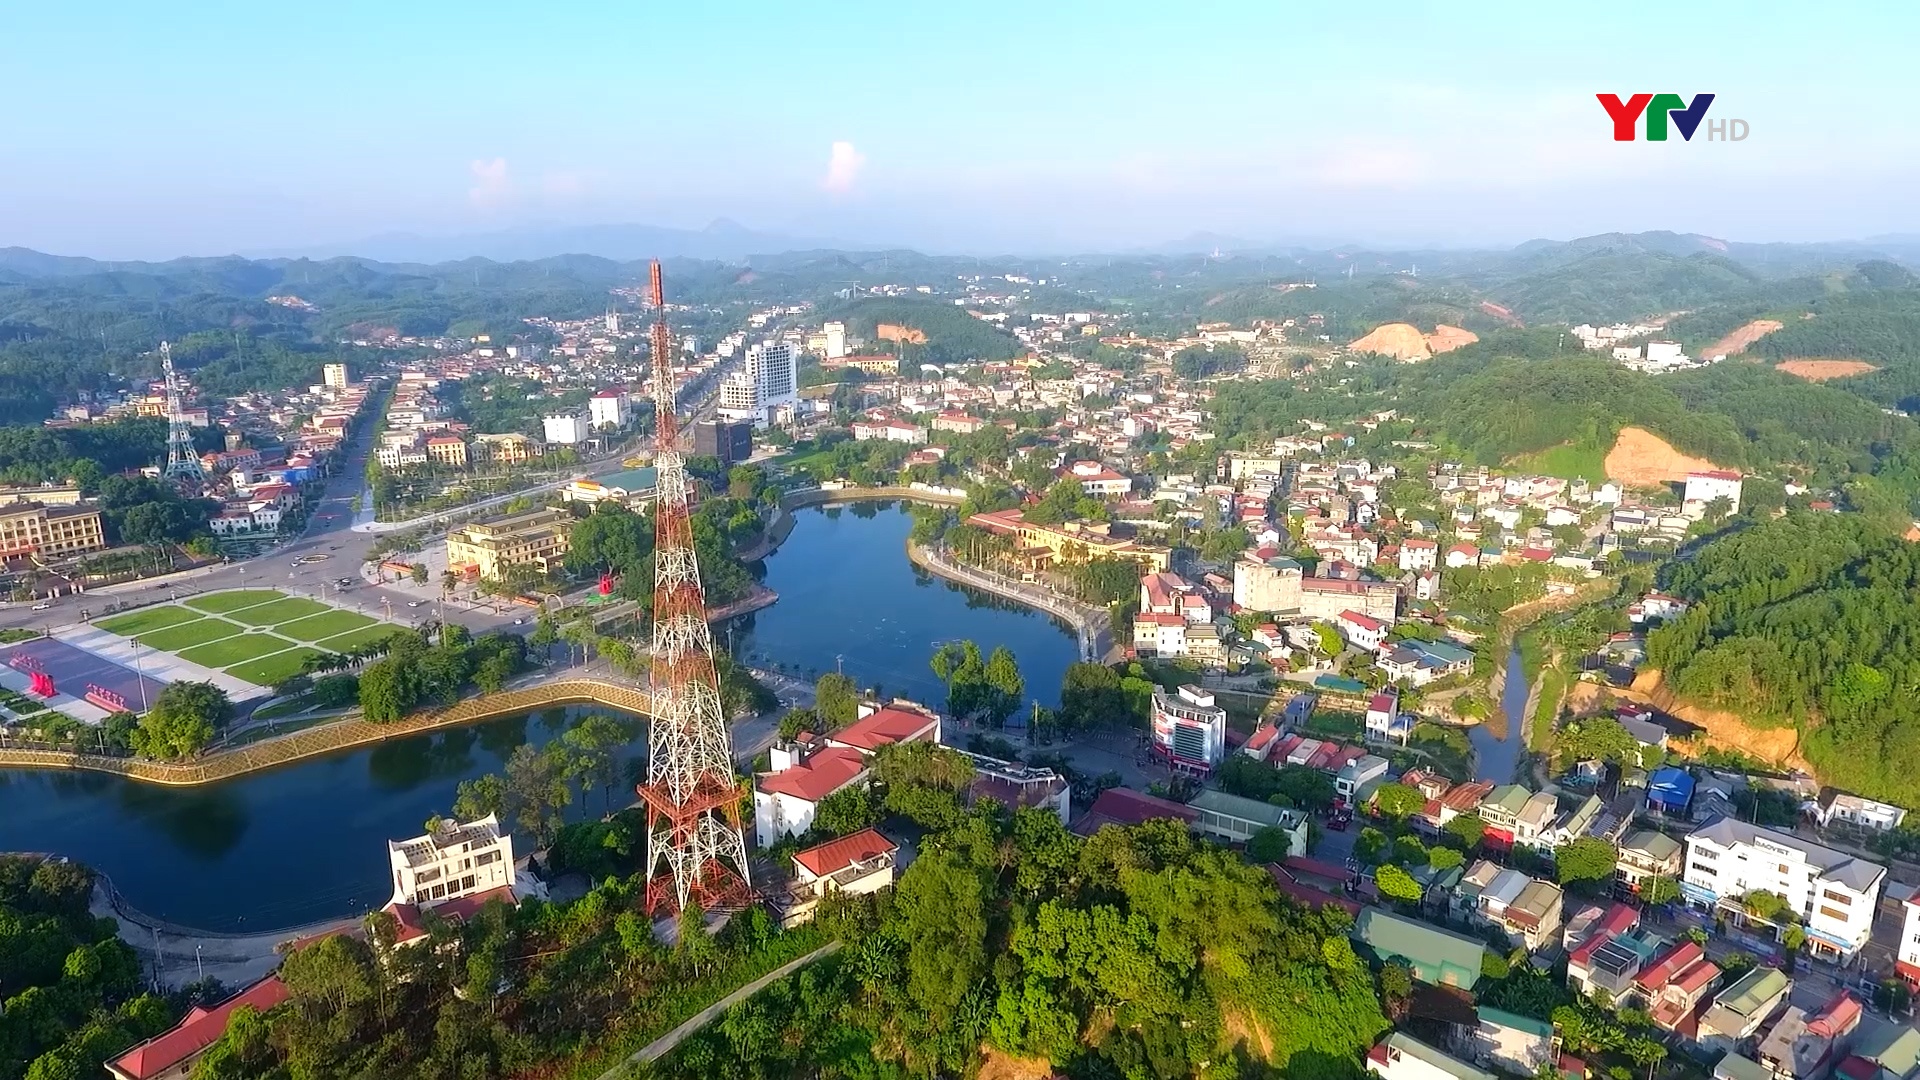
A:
[1098,480]
[898,721]
[1676,983]
[171,1055]
[1123,806]
[862,862]
[1362,632]
[784,800]
[412,924]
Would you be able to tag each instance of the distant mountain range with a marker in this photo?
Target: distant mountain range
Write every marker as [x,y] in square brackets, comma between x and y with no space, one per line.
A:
[722,240]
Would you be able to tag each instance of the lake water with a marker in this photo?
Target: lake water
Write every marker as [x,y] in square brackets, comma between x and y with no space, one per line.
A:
[850,596]
[308,842]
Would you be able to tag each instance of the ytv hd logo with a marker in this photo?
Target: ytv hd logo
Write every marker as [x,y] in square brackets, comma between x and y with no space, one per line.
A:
[1659,108]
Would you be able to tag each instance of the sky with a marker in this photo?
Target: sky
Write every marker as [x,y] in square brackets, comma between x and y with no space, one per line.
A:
[144,130]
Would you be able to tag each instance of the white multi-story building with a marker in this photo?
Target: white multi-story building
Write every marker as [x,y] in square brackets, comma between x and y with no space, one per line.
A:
[334,376]
[768,381]
[609,407]
[836,335]
[1833,894]
[1704,487]
[1189,728]
[1907,957]
[456,860]
[567,429]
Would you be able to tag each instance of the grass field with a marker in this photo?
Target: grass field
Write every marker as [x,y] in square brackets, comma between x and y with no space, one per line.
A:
[233,600]
[358,637]
[1568,461]
[272,669]
[279,611]
[187,635]
[233,650]
[153,618]
[325,625]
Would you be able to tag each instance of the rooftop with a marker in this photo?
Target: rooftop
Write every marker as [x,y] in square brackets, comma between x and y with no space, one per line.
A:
[1858,874]
[200,1029]
[838,854]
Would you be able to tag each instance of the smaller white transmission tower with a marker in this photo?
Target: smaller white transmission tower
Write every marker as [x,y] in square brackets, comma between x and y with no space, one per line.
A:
[183,461]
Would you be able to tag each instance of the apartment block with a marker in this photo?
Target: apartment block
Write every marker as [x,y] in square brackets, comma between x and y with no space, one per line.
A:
[1833,894]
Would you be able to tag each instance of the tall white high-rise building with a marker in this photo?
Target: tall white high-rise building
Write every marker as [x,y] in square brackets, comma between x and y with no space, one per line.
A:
[613,321]
[768,381]
[836,340]
[334,376]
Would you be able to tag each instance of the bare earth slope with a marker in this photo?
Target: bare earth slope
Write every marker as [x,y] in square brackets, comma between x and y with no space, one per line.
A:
[1640,458]
[1399,340]
[1735,343]
[1822,370]
[1448,338]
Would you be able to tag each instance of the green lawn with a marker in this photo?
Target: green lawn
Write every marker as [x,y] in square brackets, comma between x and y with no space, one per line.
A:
[187,635]
[234,650]
[153,618]
[279,611]
[326,625]
[1568,461]
[348,640]
[273,669]
[233,599]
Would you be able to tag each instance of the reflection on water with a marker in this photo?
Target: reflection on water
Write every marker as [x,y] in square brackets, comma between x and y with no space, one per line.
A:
[308,842]
[1495,743]
[275,849]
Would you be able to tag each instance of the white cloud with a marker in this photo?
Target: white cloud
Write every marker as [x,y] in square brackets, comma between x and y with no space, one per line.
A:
[491,187]
[843,167]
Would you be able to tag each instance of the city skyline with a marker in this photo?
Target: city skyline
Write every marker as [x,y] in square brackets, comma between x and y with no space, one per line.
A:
[204,133]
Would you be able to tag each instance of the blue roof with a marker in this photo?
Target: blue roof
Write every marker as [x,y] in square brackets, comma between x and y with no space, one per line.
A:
[1670,784]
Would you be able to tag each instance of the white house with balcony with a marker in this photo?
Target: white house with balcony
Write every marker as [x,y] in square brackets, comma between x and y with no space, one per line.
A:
[1833,894]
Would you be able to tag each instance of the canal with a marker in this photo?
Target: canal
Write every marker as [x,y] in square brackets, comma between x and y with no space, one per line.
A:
[308,842]
[1498,742]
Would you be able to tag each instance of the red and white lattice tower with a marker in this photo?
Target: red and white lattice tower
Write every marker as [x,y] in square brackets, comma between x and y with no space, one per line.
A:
[693,798]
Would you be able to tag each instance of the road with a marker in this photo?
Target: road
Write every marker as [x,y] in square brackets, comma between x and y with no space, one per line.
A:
[664,1045]
[339,551]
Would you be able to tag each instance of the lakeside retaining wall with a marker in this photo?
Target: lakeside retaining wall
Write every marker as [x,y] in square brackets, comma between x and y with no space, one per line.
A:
[340,735]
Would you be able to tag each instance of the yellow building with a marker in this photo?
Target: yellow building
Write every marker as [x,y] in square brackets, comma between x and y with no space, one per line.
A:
[485,549]
[55,532]
[1071,541]
[447,450]
[507,449]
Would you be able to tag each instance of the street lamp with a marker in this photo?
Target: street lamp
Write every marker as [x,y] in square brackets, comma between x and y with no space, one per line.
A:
[139,673]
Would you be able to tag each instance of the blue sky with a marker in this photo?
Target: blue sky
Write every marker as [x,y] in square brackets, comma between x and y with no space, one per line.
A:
[149,130]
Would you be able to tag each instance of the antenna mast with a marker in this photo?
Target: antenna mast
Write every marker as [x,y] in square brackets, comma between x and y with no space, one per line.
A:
[183,461]
[693,797]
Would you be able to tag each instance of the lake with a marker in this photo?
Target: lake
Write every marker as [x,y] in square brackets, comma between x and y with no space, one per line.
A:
[308,842]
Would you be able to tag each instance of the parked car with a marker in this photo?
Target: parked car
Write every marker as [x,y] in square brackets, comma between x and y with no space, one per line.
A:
[43,605]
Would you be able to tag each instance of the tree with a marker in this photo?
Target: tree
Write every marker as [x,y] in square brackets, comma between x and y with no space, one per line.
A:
[1659,889]
[182,720]
[836,700]
[847,811]
[592,744]
[1004,684]
[796,721]
[389,689]
[1090,694]
[538,791]
[1398,801]
[1586,865]
[1444,858]
[480,796]
[418,573]
[1270,845]
[1465,831]
[1370,845]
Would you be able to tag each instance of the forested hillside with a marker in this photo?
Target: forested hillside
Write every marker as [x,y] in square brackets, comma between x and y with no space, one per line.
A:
[1812,620]
[952,335]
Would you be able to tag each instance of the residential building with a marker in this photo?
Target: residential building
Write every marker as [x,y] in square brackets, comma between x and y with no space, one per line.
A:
[1125,807]
[1610,963]
[1018,786]
[1098,480]
[856,865]
[1670,791]
[1738,1013]
[1269,584]
[567,429]
[1646,853]
[767,381]
[1704,487]
[333,376]
[1361,631]
[511,448]
[55,532]
[172,1054]
[1385,721]
[1907,956]
[1526,910]
[456,860]
[1838,808]
[1356,781]
[1803,1045]
[888,430]
[1435,956]
[1832,893]
[1501,812]
[1189,729]
[1418,554]
[609,408]
[1673,986]
[1515,1044]
[1882,1050]
[784,799]
[1417,663]
[836,340]
[485,549]
[1400,1056]
[1233,819]
[448,450]
[877,725]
